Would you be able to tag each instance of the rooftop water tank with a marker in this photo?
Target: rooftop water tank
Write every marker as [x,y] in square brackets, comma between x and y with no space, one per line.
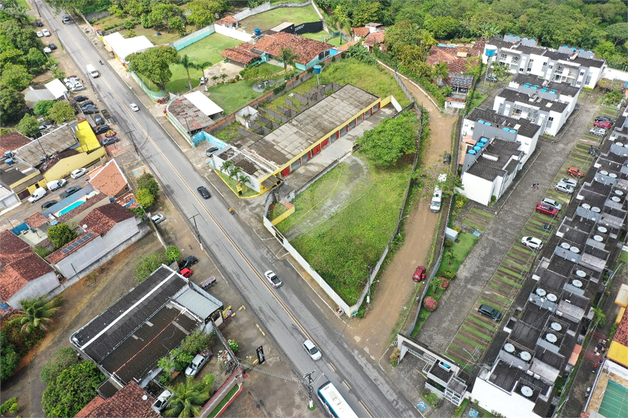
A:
[472,152]
[477,148]
[317,69]
[257,32]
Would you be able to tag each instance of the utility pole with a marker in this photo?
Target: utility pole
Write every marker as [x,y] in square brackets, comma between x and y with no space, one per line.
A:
[130,135]
[198,235]
[310,389]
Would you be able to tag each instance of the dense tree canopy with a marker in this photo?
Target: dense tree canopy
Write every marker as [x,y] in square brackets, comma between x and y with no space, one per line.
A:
[28,126]
[154,64]
[390,140]
[60,235]
[61,112]
[12,105]
[203,12]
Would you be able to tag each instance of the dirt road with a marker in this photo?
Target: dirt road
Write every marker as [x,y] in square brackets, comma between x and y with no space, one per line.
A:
[395,290]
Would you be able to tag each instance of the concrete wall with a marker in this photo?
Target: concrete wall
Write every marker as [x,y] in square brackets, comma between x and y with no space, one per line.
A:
[266,7]
[188,40]
[476,188]
[495,399]
[65,166]
[233,33]
[41,286]
[613,74]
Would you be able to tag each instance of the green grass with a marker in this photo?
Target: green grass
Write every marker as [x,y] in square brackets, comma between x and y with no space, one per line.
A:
[23,4]
[233,96]
[319,36]
[272,18]
[341,248]
[246,192]
[228,133]
[460,251]
[224,401]
[624,257]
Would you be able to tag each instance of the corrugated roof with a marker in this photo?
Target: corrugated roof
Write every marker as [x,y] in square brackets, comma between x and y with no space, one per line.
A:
[203,103]
[198,304]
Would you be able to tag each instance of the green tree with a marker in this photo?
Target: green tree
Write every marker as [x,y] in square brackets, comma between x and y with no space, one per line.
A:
[441,72]
[12,56]
[60,235]
[42,107]
[442,27]
[499,70]
[154,64]
[287,56]
[74,388]
[28,126]
[61,112]
[161,13]
[366,12]
[64,358]
[172,253]
[202,12]
[188,64]
[187,399]
[175,24]
[19,37]
[36,314]
[117,11]
[145,198]
[182,359]
[618,32]
[390,140]
[16,77]
[195,342]
[147,181]
[147,264]
[9,358]
[226,167]
[134,8]
[12,105]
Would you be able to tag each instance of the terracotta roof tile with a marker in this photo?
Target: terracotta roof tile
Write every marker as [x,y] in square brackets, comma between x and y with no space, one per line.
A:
[36,220]
[374,38]
[109,179]
[439,54]
[346,46]
[127,200]
[12,141]
[90,407]
[17,274]
[306,49]
[240,55]
[128,402]
[458,66]
[79,209]
[361,32]
[103,218]
[12,247]
[227,20]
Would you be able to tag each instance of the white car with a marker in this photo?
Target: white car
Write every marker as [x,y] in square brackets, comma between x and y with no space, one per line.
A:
[532,242]
[597,131]
[272,278]
[197,363]
[569,181]
[312,350]
[552,203]
[46,32]
[564,187]
[40,34]
[162,400]
[157,219]
[134,107]
[78,173]
[47,50]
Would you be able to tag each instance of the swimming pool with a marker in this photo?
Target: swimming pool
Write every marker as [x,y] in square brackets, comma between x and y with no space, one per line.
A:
[72,206]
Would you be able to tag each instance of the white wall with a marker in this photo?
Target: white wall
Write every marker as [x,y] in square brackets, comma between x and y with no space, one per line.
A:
[613,74]
[476,188]
[491,398]
[233,33]
[39,287]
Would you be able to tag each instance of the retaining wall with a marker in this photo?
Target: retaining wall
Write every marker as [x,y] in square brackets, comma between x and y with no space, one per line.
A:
[188,40]
[266,7]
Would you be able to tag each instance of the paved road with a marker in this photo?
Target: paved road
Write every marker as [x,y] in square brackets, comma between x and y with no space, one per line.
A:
[240,253]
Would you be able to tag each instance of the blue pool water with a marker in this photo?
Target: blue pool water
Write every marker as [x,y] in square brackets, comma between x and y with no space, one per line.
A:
[72,206]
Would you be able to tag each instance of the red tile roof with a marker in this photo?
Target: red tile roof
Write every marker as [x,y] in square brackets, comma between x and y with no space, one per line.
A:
[127,200]
[12,247]
[360,32]
[240,55]
[103,218]
[449,55]
[346,46]
[92,201]
[12,141]
[455,99]
[227,20]
[90,407]
[36,220]
[306,49]
[440,54]
[109,179]
[14,276]
[374,38]
[129,402]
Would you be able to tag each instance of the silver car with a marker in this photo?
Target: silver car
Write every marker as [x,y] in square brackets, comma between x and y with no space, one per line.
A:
[552,203]
[564,187]
[312,350]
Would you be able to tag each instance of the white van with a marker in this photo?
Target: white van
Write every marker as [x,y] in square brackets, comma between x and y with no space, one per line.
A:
[37,194]
[56,184]
[92,71]
[437,197]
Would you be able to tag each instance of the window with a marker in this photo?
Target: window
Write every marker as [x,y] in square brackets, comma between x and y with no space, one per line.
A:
[550,118]
[581,73]
[515,59]
[545,64]
[529,69]
[551,66]
[502,56]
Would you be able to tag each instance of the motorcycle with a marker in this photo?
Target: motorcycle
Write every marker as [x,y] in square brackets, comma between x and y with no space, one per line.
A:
[101,63]
[547,227]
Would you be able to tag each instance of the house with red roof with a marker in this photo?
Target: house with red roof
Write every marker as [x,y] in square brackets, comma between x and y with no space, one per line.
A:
[375,38]
[131,402]
[108,229]
[109,179]
[23,274]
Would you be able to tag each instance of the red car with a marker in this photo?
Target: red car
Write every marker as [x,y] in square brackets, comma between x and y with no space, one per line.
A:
[546,209]
[602,124]
[186,272]
[419,274]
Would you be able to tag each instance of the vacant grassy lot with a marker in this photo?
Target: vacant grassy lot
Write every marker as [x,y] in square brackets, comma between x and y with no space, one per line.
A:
[343,222]
[233,96]
[455,255]
[272,18]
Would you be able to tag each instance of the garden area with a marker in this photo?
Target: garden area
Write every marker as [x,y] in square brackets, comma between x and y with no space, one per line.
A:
[272,18]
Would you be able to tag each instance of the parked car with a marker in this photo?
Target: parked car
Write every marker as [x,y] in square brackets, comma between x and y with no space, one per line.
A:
[204,192]
[597,131]
[40,34]
[78,172]
[48,204]
[419,274]
[272,278]
[81,98]
[312,350]
[99,120]
[70,191]
[532,242]
[552,202]
[575,171]
[603,118]
[56,184]
[186,273]
[197,363]
[46,32]
[109,141]
[99,130]
[90,111]
[447,158]
[210,151]
[188,262]
[546,209]
[37,194]
[87,103]
[564,187]
[52,46]
[134,107]
[491,312]
[77,87]
[492,78]
[569,181]
[47,50]
[602,124]
[162,401]
[39,23]
[157,219]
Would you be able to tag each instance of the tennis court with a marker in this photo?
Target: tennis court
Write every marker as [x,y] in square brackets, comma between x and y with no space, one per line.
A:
[615,401]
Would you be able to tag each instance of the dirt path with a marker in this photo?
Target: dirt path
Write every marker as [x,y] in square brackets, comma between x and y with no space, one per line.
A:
[395,289]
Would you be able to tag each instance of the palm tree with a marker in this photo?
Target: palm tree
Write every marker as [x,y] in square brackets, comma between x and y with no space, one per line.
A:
[187,64]
[440,72]
[223,76]
[187,399]
[226,166]
[243,179]
[234,172]
[287,56]
[36,313]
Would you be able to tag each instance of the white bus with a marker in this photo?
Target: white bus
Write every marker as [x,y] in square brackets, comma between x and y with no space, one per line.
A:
[334,402]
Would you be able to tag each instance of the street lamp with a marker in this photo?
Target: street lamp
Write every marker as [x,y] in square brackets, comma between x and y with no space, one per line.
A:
[198,235]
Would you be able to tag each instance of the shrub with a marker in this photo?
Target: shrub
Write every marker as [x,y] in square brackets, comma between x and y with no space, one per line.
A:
[444,284]
[8,405]
[430,304]
[233,345]
[449,274]
[172,253]
[129,24]
[448,243]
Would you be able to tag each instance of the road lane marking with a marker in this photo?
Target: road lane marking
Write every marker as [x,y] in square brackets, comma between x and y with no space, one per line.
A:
[260,329]
[346,384]
[366,409]
[331,366]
